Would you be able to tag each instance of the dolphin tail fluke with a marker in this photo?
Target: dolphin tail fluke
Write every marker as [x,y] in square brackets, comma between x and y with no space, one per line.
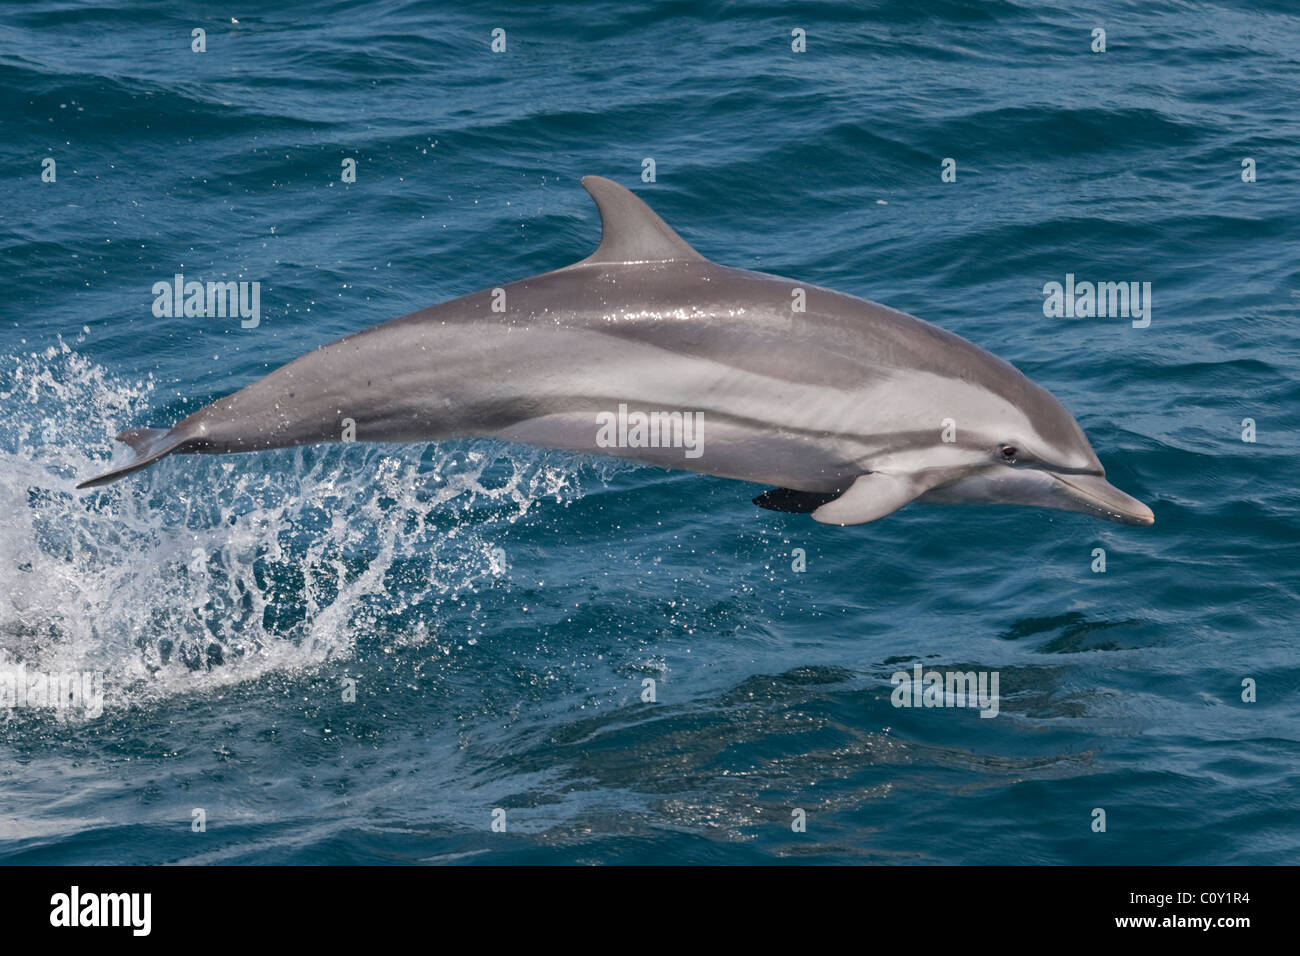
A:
[149,444]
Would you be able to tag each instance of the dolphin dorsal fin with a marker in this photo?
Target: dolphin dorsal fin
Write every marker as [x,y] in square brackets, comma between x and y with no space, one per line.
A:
[630,230]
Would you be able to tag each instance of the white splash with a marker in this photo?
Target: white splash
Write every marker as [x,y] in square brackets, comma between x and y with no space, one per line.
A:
[209,570]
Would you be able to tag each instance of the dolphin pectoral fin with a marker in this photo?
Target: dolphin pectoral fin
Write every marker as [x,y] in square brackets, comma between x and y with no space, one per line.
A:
[794,502]
[870,497]
[149,444]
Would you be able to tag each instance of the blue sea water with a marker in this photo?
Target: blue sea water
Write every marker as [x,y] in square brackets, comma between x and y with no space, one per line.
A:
[499,607]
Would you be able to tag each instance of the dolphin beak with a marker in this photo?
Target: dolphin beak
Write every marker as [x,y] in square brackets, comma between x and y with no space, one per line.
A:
[1095,495]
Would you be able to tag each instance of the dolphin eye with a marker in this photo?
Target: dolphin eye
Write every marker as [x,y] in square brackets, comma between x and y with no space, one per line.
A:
[1009,453]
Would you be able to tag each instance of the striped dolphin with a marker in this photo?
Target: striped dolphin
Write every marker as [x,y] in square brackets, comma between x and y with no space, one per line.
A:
[647,350]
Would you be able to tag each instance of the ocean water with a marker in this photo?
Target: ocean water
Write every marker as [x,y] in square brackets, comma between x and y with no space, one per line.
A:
[498,608]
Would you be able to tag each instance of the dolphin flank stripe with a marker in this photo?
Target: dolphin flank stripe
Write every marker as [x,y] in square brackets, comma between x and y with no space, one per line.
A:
[849,409]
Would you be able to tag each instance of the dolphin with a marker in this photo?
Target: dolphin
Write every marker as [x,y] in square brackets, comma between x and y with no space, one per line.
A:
[646,350]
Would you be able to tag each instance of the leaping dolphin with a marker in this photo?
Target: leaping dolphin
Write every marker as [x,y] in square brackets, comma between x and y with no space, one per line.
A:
[647,350]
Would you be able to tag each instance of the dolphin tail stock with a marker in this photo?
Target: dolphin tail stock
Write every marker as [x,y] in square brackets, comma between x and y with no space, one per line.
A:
[149,444]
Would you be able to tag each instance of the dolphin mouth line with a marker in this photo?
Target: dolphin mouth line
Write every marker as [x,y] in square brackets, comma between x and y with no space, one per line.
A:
[1118,503]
